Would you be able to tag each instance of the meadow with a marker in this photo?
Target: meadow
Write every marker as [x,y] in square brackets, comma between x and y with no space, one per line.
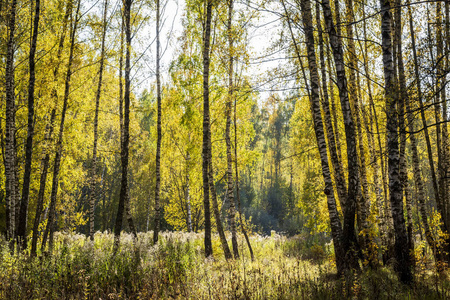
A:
[283,268]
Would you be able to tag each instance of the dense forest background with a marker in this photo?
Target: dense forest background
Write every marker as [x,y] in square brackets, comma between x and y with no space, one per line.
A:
[273,177]
[325,121]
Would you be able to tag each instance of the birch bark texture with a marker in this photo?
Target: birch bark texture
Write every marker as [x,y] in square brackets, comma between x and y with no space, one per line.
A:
[123,202]
[314,96]
[402,256]
[208,177]
[230,186]
[350,243]
[10,126]
[206,127]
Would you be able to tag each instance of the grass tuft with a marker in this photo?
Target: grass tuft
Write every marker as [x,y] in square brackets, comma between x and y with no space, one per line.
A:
[284,268]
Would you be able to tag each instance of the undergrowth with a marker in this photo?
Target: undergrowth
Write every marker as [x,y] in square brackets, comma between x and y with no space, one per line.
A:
[176,268]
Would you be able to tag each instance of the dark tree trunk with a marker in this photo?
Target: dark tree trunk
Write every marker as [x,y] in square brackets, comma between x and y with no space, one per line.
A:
[187,194]
[206,128]
[158,140]
[353,86]
[337,166]
[59,144]
[10,127]
[207,147]
[45,162]
[403,258]
[126,125]
[314,96]
[368,119]
[443,162]
[93,183]
[238,196]
[403,99]
[215,205]
[334,118]
[122,29]
[445,138]
[21,230]
[350,242]
[415,156]
[422,113]
[230,187]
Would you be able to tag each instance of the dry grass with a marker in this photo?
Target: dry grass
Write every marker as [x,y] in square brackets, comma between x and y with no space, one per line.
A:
[176,268]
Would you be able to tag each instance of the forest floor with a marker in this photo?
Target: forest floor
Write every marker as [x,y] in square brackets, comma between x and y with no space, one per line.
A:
[284,268]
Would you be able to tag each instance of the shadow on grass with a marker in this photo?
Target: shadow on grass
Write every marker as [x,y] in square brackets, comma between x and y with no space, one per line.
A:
[377,284]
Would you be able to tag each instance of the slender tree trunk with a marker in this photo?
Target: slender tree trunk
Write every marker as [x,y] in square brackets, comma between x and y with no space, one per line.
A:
[436,84]
[122,29]
[93,183]
[102,196]
[126,125]
[127,212]
[206,127]
[230,187]
[362,206]
[16,183]
[59,144]
[422,110]
[403,99]
[335,119]
[422,114]
[127,208]
[420,185]
[447,31]
[380,200]
[337,166]
[45,161]
[21,230]
[215,205]
[43,180]
[238,195]
[10,127]
[415,156]
[187,194]
[395,189]
[441,91]
[158,140]
[445,137]
[386,234]
[320,135]
[236,169]
[335,223]
[207,131]
[350,242]
[337,14]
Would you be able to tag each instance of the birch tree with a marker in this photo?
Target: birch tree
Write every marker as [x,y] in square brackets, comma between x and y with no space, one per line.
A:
[50,229]
[93,183]
[21,230]
[158,125]
[125,135]
[10,126]
[403,258]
